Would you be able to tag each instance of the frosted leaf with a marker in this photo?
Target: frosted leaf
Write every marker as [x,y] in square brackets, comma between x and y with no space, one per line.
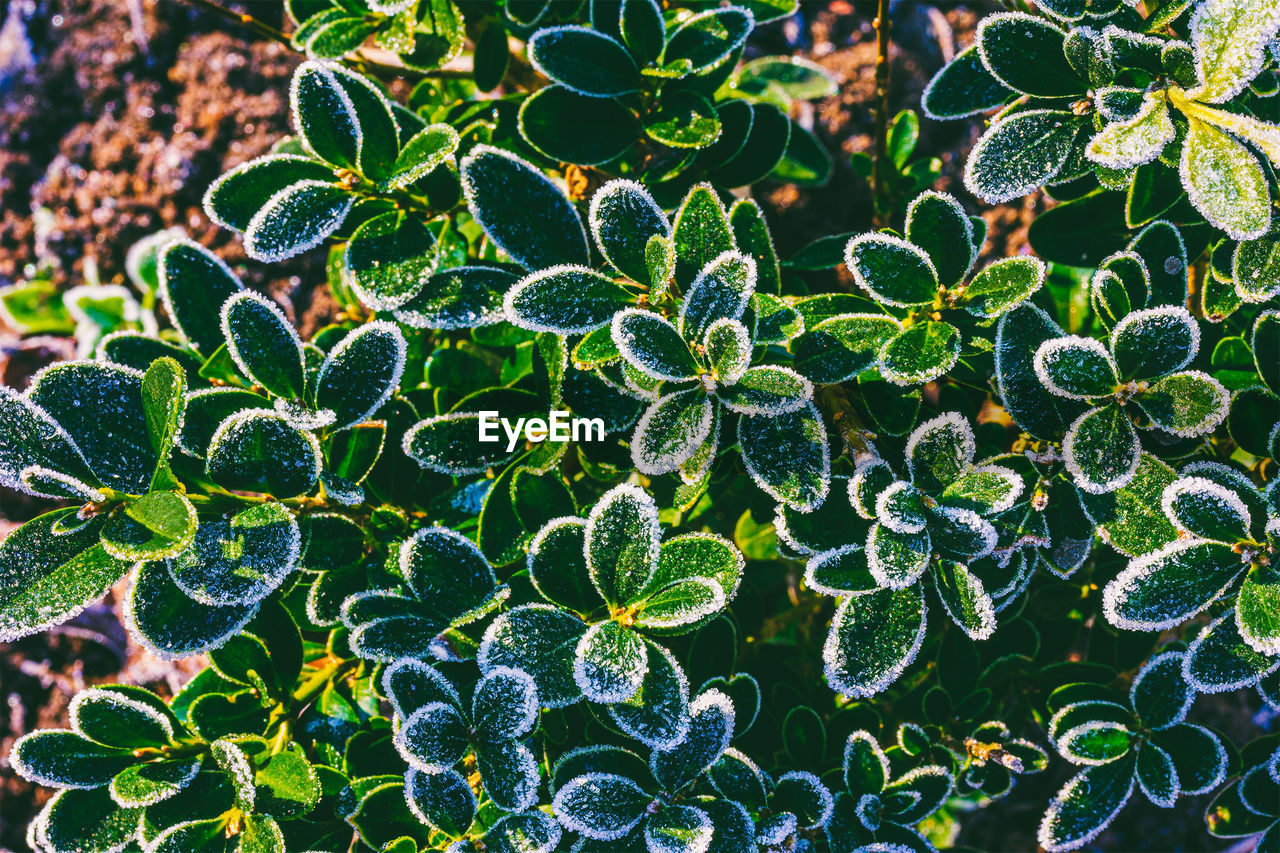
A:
[297,218]
[234,761]
[528,832]
[194,283]
[1160,693]
[657,714]
[1206,509]
[788,456]
[938,224]
[896,560]
[872,476]
[1225,182]
[45,482]
[774,831]
[566,299]
[804,795]
[361,372]
[1258,613]
[988,489]
[1095,742]
[1101,450]
[448,445]
[441,799]
[874,637]
[147,784]
[622,543]
[1155,341]
[738,778]
[82,821]
[1167,587]
[446,570]
[422,153]
[891,270]
[728,347]
[1003,285]
[236,195]
[610,663]
[1230,40]
[585,61]
[603,806]
[540,232]
[838,572]
[509,773]
[58,758]
[434,737]
[1138,140]
[671,431]
[623,218]
[239,560]
[865,766]
[965,600]
[458,298]
[409,684]
[679,829]
[260,450]
[300,416]
[505,703]
[711,720]
[681,604]
[1255,269]
[1020,154]
[928,787]
[1186,404]
[1265,136]
[940,450]
[112,717]
[722,289]
[539,639]
[961,533]
[650,343]
[900,508]
[767,391]
[1195,775]
[1086,805]
[1076,367]
[166,622]
[324,115]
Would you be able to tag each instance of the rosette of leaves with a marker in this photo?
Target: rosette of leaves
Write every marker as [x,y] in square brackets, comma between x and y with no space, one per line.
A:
[611,800]
[435,733]
[423,34]
[610,587]
[790,810]
[917,281]
[1220,173]
[1142,363]
[360,169]
[1121,744]
[886,794]
[1226,546]
[445,582]
[1247,806]
[130,771]
[936,523]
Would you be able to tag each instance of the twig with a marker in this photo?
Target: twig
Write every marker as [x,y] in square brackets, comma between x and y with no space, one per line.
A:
[833,401]
[883,25]
[261,28]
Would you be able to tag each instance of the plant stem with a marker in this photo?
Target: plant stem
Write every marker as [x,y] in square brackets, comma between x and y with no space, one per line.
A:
[883,25]
[833,400]
[261,28]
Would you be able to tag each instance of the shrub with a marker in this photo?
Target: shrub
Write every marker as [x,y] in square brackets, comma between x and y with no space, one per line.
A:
[423,639]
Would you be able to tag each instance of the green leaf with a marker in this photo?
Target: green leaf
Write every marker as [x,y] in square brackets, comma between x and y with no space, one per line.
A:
[155,526]
[566,300]
[51,568]
[789,77]
[298,218]
[965,599]
[986,490]
[840,347]
[1255,269]
[169,624]
[728,350]
[388,260]
[767,391]
[424,152]
[1160,693]
[361,373]
[1225,182]
[1076,367]
[1155,342]
[1134,141]
[1186,404]
[206,409]
[722,289]
[1258,612]
[1166,587]
[1020,154]
[1206,509]
[761,152]
[1219,659]
[708,38]
[865,767]
[1087,804]
[236,196]
[651,343]
[147,784]
[547,115]
[701,232]
[1003,285]
[259,450]
[64,759]
[680,828]
[1101,449]
[1012,44]
[324,115]
[86,820]
[751,233]
[624,218]
[806,161]
[263,344]
[539,639]
[892,270]
[540,232]
[642,29]
[1198,755]
[1228,42]
[938,224]
[963,87]
[873,638]
[385,814]
[586,61]
[163,399]
[610,663]
[441,799]
[31,441]
[683,119]
[897,558]
[101,408]
[603,806]
[672,430]
[787,455]
[622,543]
[458,298]
[239,560]
[1266,346]
[657,714]
[920,353]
